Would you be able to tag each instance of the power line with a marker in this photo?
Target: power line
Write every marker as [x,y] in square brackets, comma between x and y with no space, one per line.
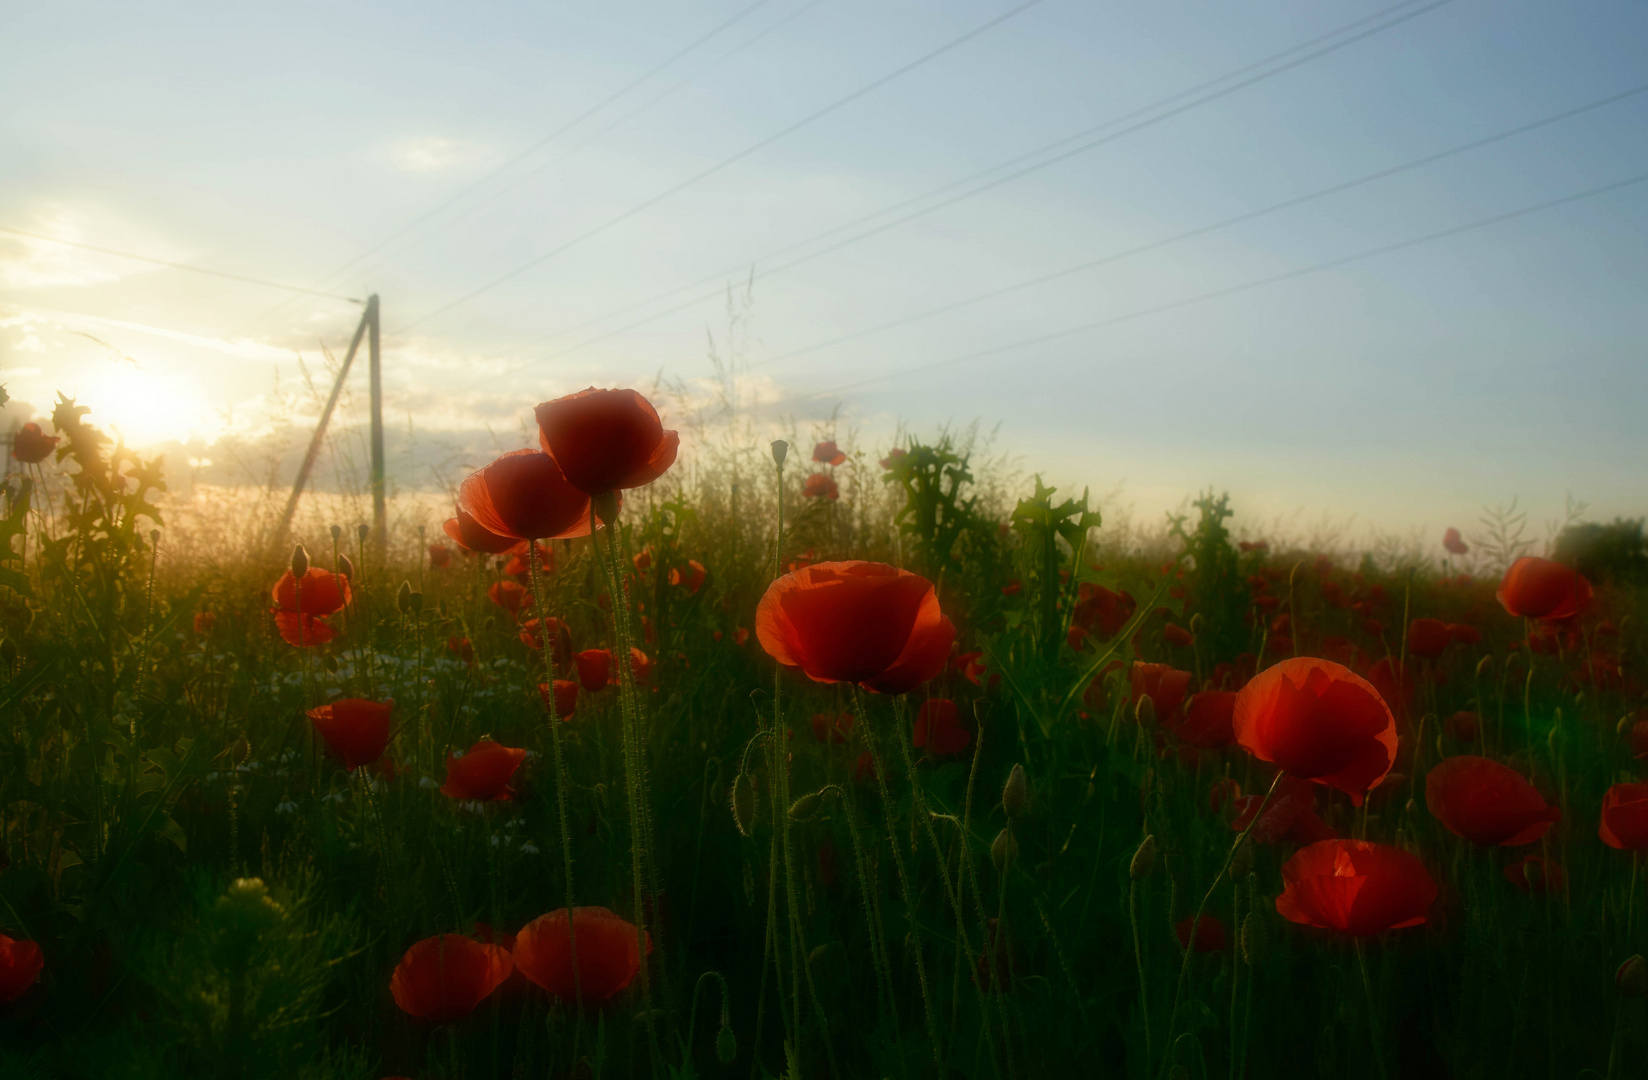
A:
[723,164]
[1181,95]
[1216,294]
[1203,230]
[464,192]
[178,266]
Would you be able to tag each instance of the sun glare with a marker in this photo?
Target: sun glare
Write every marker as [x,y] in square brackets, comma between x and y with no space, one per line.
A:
[144,408]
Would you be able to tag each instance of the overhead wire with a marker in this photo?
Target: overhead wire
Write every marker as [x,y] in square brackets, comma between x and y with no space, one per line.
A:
[170,265]
[1203,230]
[522,155]
[724,163]
[1327,264]
[720,277]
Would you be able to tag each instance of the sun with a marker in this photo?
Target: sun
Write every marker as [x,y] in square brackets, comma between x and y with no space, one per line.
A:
[143,408]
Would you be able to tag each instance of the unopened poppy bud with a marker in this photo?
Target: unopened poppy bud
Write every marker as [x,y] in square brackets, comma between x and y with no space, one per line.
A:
[1253,938]
[1144,860]
[805,807]
[403,597]
[726,1044]
[743,804]
[1145,711]
[362,531]
[1241,860]
[300,561]
[415,601]
[346,568]
[1632,977]
[337,533]
[1015,794]
[241,750]
[780,451]
[1004,850]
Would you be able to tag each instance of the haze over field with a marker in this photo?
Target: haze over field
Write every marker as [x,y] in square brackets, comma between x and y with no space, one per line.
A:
[842,201]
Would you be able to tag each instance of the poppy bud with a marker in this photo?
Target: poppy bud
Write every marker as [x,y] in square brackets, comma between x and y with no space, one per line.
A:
[1632,977]
[726,1044]
[1144,859]
[337,533]
[1551,739]
[1483,665]
[1253,938]
[154,537]
[805,807]
[241,750]
[1004,850]
[403,597]
[300,561]
[1534,874]
[743,804]
[415,602]
[1241,860]
[362,531]
[346,568]
[1145,711]
[1015,795]
[780,451]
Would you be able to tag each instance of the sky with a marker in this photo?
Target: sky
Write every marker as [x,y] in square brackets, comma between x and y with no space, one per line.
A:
[1382,262]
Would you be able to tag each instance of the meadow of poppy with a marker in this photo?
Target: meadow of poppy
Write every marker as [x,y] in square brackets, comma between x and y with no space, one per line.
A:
[1209,809]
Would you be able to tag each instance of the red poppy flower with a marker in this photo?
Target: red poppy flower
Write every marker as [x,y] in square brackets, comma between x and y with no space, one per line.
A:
[204,621]
[440,556]
[468,534]
[523,494]
[1165,686]
[1318,721]
[1355,887]
[510,596]
[1462,726]
[300,607]
[483,772]
[1465,633]
[821,486]
[1210,933]
[1538,588]
[1454,542]
[20,964]
[609,956]
[355,729]
[693,579]
[827,453]
[566,697]
[443,978]
[1428,638]
[606,440]
[892,457]
[741,636]
[594,669]
[1394,684]
[1625,817]
[836,729]
[518,567]
[971,666]
[1178,635]
[1487,803]
[1102,611]
[31,446]
[1207,722]
[1012,588]
[1289,815]
[938,726]
[861,622]
[532,639]
[1533,874]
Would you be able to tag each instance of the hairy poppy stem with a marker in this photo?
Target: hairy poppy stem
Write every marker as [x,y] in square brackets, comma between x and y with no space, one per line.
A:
[1196,920]
[1138,957]
[903,876]
[1375,1028]
[560,775]
[872,914]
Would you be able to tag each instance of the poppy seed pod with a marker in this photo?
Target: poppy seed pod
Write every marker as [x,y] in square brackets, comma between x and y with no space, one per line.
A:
[1015,794]
[780,451]
[300,561]
[337,533]
[1632,977]
[1144,860]
[362,531]
[1004,850]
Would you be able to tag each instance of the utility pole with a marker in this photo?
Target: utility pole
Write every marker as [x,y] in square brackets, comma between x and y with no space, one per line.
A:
[380,514]
[325,416]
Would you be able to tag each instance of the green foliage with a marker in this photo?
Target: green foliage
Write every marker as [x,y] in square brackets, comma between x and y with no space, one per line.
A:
[935,513]
[1615,553]
[1216,587]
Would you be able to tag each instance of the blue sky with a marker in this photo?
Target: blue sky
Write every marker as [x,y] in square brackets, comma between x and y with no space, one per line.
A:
[284,141]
